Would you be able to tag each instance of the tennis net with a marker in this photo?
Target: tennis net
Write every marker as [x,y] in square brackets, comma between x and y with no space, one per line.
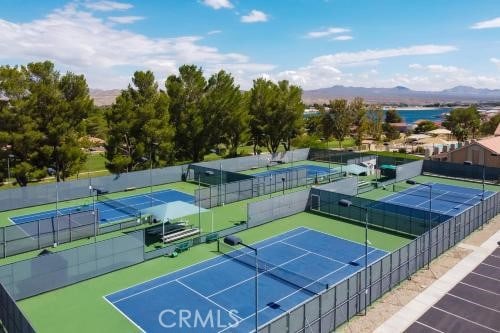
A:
[117,205]
[265,267]
[423,191]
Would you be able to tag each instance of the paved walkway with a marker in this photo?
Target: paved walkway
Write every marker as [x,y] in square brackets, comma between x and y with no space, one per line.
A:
[401,320]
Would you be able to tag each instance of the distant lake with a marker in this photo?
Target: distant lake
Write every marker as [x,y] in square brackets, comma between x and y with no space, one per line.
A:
[411,115]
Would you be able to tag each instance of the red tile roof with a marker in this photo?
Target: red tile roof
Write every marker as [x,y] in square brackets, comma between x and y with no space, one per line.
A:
[492,143]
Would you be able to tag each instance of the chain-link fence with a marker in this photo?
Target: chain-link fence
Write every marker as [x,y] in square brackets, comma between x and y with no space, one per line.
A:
[256,161]
[329,310]
[76,189]
[354,157]
[457,170]
[265,211]
[210,176]
[386,215]
[12,318]
[24,237]
[217,195]
[52,270]
[409,170]
[347,186]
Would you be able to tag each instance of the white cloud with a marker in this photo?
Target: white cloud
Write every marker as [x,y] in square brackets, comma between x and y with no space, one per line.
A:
[437,68]
[312,77]
[254,16]
[343,37]
[77,40]
[494,23]
[439,81]
[125,19]
[495,61]
[218,4]
[344,68]
[326,32]
[344,58]
[107,6]
[214,32]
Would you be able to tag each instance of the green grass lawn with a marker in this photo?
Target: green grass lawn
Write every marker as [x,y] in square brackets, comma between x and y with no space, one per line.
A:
[82,308]
[396,155]
[94,162]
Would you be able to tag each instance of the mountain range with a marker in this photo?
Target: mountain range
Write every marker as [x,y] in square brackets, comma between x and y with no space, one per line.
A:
[396,95]
[399,94]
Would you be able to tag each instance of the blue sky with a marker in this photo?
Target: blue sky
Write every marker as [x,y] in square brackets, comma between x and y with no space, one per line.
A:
[424,44]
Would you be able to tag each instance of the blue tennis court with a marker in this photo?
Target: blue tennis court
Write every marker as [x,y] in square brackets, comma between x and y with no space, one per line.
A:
[446,199]
[223,287]
[312,170]
[111,213]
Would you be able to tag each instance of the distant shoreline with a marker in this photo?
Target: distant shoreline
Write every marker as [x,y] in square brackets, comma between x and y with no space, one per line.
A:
[417,108]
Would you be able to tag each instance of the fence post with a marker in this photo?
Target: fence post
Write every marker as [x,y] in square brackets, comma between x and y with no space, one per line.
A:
[70,228]
[335,308]
[320,313]
[38,233]
[4,243]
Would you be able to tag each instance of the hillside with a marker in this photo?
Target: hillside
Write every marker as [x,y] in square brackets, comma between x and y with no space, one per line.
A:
[459,94]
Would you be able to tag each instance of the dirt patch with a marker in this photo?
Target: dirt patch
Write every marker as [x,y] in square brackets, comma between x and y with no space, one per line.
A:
[394,300]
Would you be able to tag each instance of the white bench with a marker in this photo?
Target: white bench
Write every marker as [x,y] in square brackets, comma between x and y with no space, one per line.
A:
[179,235]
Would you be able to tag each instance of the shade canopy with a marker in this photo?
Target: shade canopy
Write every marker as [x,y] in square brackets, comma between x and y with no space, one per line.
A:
[433,141]
[439,131]
[172,210]
[415,137]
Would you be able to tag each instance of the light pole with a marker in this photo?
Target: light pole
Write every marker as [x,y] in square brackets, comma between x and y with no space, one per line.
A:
[283,181]
[220,184]
[153,147]
[94,212]
[348,203]
[233,241]
[55,172]
[8,167]
[270,186]
[483,183]
[482,193]
[412,182]
[199,202]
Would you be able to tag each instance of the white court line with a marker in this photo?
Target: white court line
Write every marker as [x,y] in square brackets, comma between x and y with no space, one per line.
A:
[206,298]
[485,290]
[290,231]
[189,266]
[489,264]
[190,274]
[469,301]
[47,214]
[345,239]
[487,277]
[253,277]
[463,318]
[432,328]
[283,298]
[123,314]
[309,252]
